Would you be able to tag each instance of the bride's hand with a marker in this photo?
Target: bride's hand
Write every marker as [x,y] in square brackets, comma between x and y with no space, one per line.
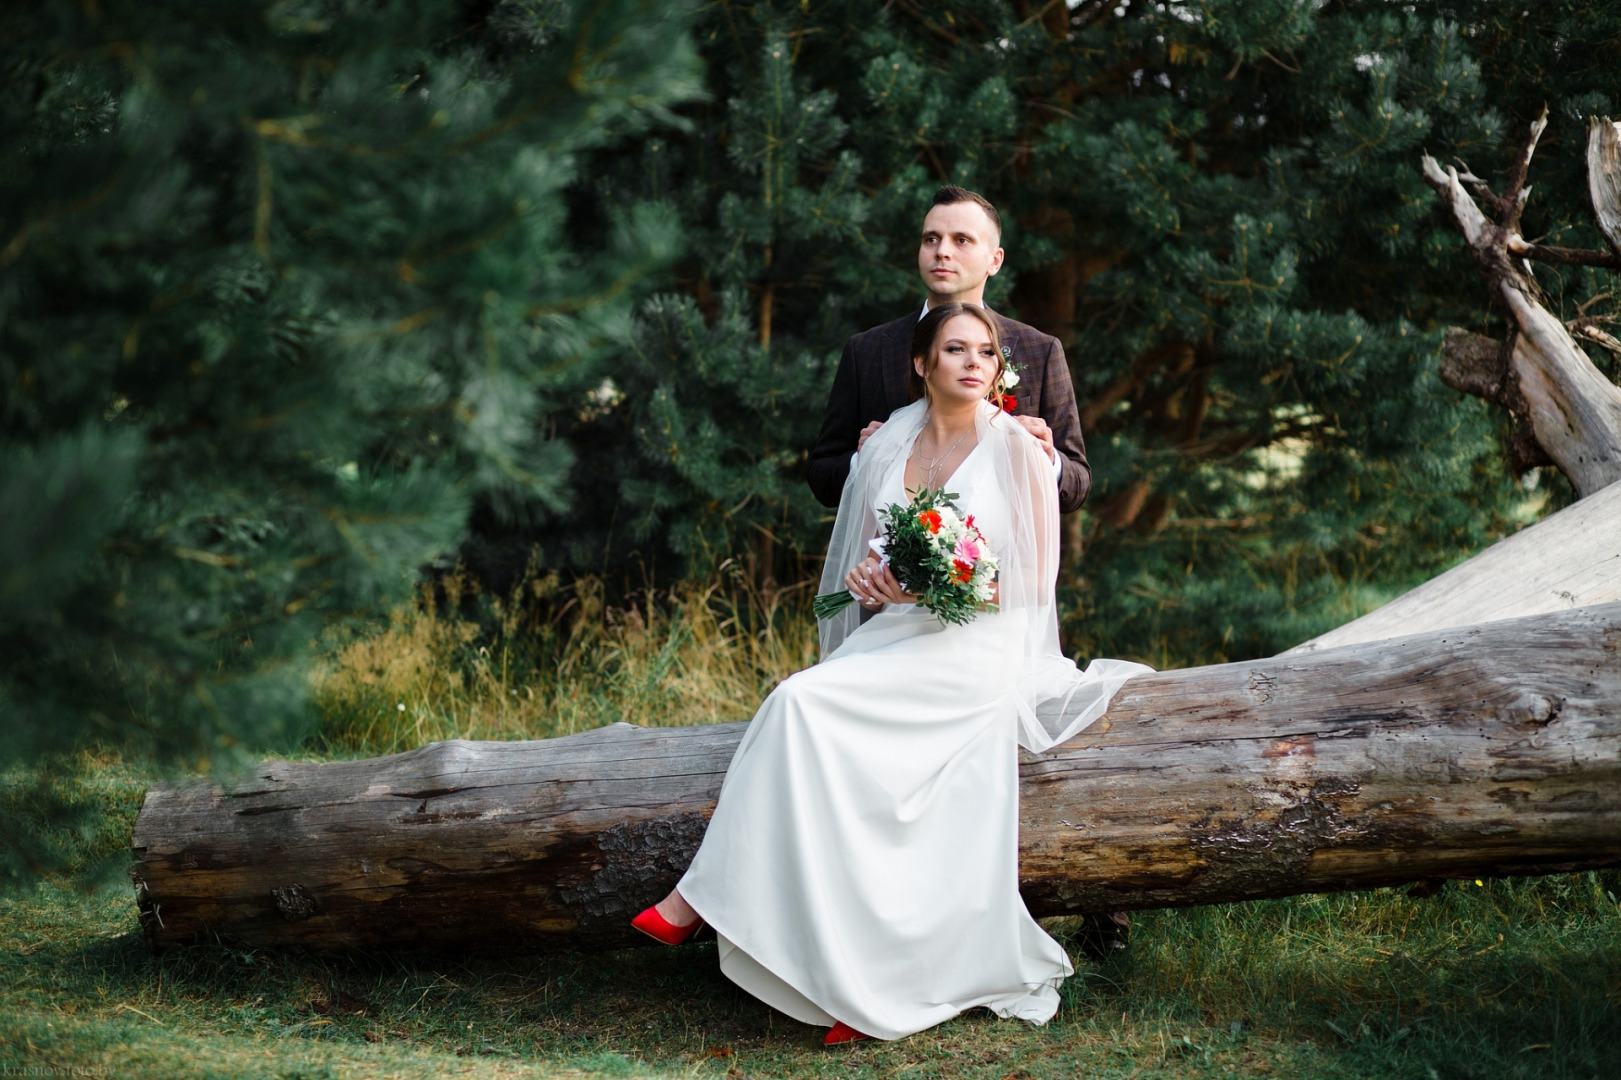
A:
[875,585]
[859,581]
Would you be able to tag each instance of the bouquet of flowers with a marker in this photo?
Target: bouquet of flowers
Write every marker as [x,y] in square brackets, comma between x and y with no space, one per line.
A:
[936,554]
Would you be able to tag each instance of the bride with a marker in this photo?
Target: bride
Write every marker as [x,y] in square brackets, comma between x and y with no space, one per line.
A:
[861,869]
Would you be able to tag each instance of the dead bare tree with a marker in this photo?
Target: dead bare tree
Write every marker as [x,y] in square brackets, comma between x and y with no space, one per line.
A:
[1565,411]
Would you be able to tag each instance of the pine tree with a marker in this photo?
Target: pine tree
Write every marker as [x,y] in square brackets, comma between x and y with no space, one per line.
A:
[731,372]
[801,201]
[283,288]
[1262,283]
[1216,206]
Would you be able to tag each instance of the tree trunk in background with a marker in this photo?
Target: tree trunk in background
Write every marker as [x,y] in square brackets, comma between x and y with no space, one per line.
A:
[1489,750]
[1563,406]
[1566,413]
[1604,177]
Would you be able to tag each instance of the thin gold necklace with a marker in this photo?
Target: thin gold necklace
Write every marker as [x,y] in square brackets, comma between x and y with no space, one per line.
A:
[932,465]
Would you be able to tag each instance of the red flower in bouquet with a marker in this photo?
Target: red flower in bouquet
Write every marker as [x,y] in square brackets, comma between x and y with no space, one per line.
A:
[1006,402]
[936,555]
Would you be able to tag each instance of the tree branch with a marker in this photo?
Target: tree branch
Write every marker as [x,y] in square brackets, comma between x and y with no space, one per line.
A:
[1446,183]
[1569,256]
[1517,192]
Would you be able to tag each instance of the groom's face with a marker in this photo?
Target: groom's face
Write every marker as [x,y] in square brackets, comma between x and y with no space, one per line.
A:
[959,250]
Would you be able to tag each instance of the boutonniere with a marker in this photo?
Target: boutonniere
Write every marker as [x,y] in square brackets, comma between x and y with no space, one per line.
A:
[1002,395]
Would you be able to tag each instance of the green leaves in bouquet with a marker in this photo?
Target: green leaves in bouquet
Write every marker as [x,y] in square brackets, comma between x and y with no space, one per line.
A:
[284,289]
[912,558]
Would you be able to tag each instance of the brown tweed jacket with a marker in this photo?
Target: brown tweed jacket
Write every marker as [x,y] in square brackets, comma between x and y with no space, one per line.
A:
[871,384]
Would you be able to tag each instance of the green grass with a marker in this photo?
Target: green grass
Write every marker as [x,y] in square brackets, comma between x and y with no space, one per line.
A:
[551,660]
[1508,979]
[1512,978]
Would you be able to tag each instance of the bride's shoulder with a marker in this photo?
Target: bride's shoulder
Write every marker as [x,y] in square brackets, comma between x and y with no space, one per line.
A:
[1018,442]
[1010,429]
[903,424]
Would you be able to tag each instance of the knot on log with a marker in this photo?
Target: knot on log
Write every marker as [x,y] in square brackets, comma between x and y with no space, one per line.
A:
[1533,710]
[1475,364]
[295,902]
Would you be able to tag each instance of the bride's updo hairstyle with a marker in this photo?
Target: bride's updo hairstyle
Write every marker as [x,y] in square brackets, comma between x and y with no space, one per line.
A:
[927,334]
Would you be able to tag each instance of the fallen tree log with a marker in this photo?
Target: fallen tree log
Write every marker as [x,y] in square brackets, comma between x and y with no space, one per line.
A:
[1567,560]
[1494,749]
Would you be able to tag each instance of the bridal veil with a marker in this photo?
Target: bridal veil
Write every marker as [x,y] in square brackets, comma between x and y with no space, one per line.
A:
[1054,699]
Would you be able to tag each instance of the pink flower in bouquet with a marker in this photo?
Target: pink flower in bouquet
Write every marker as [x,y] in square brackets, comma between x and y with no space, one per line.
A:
[929,541]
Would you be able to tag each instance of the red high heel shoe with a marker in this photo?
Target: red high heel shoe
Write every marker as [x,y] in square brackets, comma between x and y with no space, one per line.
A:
[841,1032]
[657,927]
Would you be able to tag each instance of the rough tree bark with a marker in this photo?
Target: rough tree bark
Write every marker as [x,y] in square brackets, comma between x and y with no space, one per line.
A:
[1604,177]
[1489,750]
[1566,412]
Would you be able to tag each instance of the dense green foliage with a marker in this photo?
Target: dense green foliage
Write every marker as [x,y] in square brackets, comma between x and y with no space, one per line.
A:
[291,293]
[1216,206]
[283,288]
[1509,980]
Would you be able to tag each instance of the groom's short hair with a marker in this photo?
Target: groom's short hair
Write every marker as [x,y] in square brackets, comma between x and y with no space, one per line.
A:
[951,193]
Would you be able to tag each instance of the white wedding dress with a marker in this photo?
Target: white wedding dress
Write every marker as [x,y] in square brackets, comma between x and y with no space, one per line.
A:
[862,863]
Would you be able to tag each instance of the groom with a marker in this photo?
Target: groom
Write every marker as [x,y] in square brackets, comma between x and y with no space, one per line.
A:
[960,251]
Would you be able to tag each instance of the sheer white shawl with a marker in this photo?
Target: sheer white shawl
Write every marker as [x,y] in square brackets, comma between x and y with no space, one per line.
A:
[1055,700]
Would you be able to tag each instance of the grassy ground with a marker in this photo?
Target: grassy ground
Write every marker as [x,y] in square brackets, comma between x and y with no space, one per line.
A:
[552,660]
[1503,979]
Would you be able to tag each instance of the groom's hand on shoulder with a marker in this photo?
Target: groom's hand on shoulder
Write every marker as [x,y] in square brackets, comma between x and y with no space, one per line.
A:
[866,433]
[1036,426]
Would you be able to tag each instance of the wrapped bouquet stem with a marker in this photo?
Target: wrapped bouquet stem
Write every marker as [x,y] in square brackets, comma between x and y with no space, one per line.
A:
[936,553]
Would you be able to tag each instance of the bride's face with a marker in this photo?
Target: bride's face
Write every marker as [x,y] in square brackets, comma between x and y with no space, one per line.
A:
[965,362]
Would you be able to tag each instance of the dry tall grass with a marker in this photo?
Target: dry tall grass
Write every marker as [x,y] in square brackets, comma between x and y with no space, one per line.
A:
[553,659]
